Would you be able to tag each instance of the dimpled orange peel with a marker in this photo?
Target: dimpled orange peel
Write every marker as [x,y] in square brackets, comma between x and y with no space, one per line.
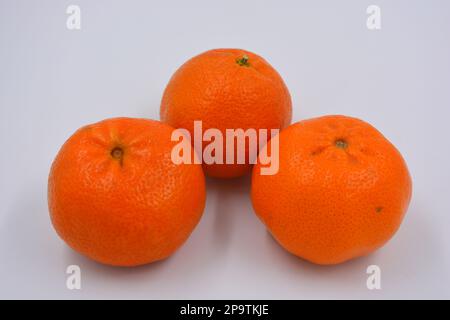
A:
[341,191]
[116,196]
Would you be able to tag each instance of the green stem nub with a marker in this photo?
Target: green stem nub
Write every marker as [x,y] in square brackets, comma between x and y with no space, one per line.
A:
[243,62]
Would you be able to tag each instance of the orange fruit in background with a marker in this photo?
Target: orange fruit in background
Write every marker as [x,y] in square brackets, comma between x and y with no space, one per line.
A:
[227,89]
[341,191]
[116,196]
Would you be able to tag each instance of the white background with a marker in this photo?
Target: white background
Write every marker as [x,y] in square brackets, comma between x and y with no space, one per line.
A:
[52,81]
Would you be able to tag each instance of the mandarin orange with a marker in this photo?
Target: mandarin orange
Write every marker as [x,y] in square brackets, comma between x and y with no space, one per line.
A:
[116,196]
[227,89]
[341,191]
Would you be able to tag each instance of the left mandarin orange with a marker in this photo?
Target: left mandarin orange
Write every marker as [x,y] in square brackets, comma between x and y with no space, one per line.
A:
[116,196]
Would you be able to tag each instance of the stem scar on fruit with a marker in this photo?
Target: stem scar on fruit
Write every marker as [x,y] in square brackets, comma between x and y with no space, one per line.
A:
[341,143]
[117,153]
[243,62]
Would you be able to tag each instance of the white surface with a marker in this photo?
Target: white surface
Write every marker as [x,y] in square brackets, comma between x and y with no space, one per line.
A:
[53,81]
